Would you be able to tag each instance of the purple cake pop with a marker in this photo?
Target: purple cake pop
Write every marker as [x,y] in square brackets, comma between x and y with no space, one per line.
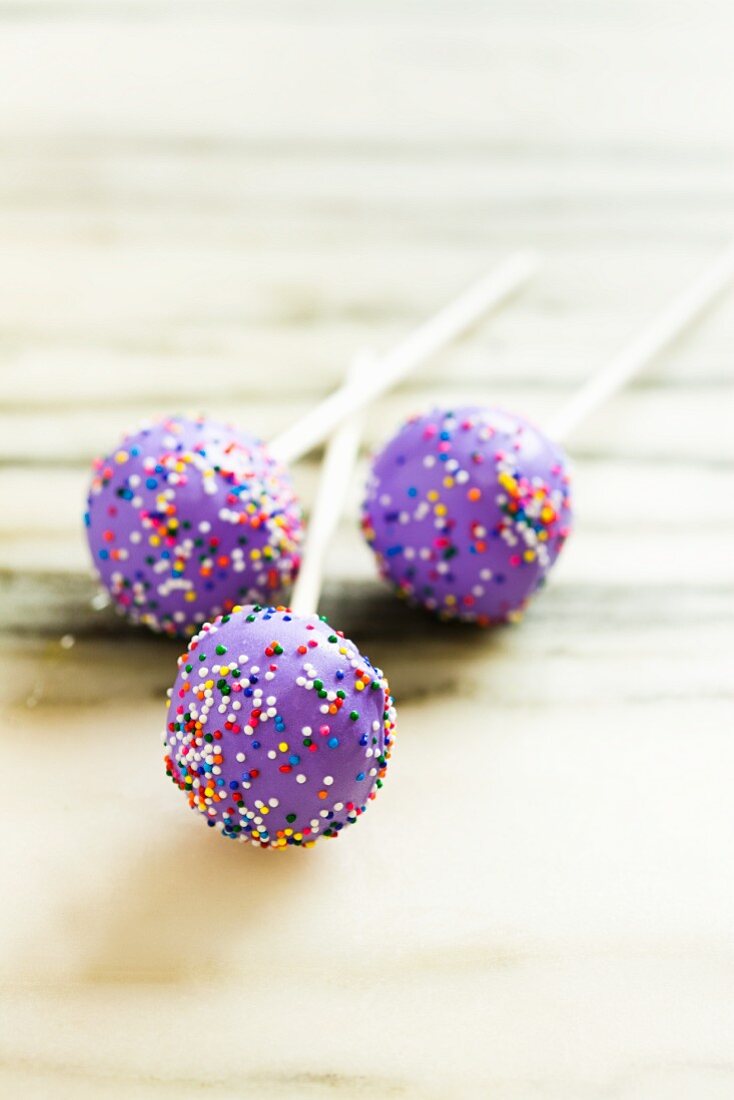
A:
[187,518]
[279,730]
[466,511]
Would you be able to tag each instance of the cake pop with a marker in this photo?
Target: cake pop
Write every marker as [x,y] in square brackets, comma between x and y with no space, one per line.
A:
[188,517]
[279,730]
[467,509]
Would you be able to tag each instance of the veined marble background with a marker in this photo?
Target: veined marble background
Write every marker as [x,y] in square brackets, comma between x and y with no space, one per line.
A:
[209,205]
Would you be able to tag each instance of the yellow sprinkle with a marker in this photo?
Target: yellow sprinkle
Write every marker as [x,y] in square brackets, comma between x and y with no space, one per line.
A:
[283,746]
[432,495]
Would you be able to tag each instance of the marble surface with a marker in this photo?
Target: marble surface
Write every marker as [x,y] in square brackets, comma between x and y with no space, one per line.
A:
[224,199]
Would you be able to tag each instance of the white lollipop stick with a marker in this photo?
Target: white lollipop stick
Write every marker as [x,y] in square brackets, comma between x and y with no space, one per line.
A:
[358,390]
[336,473]
[674,318]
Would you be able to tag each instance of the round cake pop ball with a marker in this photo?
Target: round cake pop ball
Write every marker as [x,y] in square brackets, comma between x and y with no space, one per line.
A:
[279,730]
[466,511]
[187,518]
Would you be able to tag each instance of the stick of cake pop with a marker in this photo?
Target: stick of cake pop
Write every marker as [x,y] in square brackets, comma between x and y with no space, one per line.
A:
[336,471]
[662,331]
[189,516]
[364,387]
[467,509]
[301,756]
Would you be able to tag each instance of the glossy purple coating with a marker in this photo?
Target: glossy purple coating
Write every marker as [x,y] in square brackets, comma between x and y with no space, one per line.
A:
[188,517]
[466,511]
[279,729]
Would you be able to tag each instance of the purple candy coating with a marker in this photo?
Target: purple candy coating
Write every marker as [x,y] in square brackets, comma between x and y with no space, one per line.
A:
[188,517]
[279,730]
[466,511]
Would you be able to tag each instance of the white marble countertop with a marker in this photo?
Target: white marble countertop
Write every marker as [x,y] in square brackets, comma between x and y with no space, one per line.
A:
[221,201]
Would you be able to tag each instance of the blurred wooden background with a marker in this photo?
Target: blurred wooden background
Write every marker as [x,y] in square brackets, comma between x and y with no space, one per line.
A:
[208,205]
